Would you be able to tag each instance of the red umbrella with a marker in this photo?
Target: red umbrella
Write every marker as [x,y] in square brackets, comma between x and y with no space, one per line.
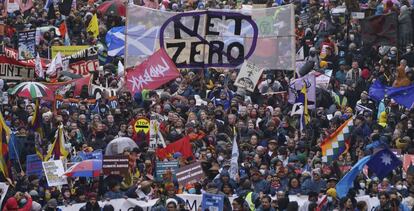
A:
[86,168]
[113,7]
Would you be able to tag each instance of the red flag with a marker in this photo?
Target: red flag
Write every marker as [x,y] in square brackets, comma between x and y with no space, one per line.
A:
[77,83]
[154,72]
[63,29]
[183,146]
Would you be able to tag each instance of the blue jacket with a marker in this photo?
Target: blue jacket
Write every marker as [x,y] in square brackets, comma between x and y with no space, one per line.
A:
[312,185]
[261,186]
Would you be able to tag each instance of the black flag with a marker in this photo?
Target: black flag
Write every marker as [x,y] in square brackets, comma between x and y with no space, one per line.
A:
[65,7]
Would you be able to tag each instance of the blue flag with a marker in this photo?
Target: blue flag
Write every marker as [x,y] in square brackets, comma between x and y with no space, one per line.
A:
[383,162]
[377,91]
[115,40]
[13,152]
[347,182]
[402,95]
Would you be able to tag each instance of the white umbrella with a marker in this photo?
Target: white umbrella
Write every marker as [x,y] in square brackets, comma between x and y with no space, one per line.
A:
[118,145]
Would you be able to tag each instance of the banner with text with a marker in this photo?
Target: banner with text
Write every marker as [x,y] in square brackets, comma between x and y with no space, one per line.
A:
[154,72]
[213,38]
[115,164]
[82,62]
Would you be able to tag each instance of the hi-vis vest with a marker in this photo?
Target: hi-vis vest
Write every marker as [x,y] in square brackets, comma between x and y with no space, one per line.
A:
[338,101]
[249,201]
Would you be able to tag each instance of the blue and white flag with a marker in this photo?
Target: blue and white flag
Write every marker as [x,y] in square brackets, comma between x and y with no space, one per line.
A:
[383,162]
[115,39]
[347,182]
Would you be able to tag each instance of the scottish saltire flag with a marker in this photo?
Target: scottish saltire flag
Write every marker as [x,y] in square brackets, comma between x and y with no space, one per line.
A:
[338,142]
[347,182]
[115,39]
[141,41]
[383,162]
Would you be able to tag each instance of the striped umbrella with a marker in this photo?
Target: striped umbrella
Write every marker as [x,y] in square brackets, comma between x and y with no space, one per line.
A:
[86,168]
[113,7]
[30,90]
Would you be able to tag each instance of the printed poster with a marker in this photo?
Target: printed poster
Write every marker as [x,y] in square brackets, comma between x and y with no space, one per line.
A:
[54,171]
[248,76]
[27,45]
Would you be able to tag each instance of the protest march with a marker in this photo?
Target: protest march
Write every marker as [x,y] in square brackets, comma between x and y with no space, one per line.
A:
[207,105]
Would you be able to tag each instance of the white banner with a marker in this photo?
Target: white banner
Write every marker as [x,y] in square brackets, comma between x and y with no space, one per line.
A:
[3,187]
[193,201]
[248,76]
[213,38]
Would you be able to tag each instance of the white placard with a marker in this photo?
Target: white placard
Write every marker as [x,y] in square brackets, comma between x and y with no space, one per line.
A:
[248,76]
[54,173]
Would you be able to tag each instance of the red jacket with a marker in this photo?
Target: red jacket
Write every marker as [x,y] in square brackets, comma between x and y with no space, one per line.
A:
[11,204]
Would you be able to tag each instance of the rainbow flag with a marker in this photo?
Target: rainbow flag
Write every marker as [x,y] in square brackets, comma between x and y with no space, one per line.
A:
[5,164]
[338,142]
[58,149]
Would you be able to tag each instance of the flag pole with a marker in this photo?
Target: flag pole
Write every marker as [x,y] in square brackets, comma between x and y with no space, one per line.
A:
[126,40]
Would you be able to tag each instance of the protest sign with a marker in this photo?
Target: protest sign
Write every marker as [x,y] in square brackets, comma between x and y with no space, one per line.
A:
[26,44]
[67,50]
[142,125]
[213,202]
[154,72]
[12,5]
[82,62]
[161,167]
[3,191]
[213,38]
[248,76]
[54,173]
[408,160]
[155,137]
[115,164]
[97,154]
[34,165]
[189,173]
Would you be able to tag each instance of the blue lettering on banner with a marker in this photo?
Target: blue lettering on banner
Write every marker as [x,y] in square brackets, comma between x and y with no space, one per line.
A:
[34,165]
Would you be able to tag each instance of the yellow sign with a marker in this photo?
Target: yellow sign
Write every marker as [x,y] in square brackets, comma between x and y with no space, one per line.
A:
[67,50]
[142,125]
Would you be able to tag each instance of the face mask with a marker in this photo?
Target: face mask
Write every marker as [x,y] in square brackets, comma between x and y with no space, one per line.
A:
[362,185]
[341,92]
[262,171]
[23,201]
[103,110]
[209,155]
[408,50]
[351,37]
[409,125]
[329,199]
[220,158]
[192,191]
[399,187]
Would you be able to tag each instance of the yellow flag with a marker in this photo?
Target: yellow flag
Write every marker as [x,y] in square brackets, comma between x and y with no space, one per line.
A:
[58,147]
[93,26]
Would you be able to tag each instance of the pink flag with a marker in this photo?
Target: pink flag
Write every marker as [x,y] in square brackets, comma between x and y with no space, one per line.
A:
[25,4]
[154,72]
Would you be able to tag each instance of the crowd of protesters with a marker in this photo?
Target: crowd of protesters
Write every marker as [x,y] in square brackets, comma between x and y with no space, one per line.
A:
[276,158]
